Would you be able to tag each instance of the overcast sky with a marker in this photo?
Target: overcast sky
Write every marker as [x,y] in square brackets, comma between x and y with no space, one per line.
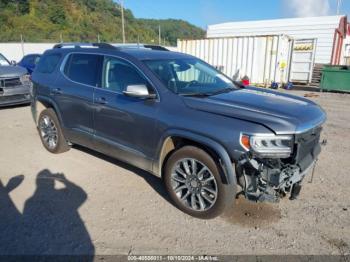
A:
[204,12]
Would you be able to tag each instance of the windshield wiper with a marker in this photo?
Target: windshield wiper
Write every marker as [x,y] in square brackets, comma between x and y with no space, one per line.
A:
[224,90]
[221,91]
[196,94]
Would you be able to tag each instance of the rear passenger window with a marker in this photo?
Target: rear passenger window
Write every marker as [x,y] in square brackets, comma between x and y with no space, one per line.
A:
[82,68]
[48,63]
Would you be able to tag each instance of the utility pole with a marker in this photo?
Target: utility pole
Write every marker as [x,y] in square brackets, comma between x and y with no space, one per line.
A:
[61,38]
[98,38]
[22,44]
[122,11]
[339,2]
[159,36]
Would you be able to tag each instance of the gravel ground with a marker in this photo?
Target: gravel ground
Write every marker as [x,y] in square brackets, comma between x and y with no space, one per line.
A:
[81,202]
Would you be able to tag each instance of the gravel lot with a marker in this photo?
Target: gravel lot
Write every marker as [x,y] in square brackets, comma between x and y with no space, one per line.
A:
[81,202]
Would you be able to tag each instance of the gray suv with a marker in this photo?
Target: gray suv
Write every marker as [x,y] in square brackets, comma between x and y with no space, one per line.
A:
[179,118]
[14,83]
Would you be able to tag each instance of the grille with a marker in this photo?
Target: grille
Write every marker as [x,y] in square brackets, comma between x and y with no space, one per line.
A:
[10,82]
[12,98]
[307,142]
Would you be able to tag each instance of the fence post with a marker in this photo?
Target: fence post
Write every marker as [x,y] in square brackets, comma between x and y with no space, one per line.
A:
[22,45]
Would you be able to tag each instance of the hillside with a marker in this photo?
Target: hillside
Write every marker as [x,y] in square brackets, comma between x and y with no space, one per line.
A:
[84,20]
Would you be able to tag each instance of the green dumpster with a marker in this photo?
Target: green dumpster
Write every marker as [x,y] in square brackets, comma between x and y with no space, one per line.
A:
[336,78]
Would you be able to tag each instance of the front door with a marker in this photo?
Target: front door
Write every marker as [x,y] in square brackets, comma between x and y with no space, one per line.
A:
[124,126]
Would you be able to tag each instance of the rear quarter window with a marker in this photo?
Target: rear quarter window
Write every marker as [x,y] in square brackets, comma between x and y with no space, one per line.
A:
[48,63]
[83,68]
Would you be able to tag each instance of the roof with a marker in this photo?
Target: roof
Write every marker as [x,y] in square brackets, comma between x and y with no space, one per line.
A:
[275,26]
[146,54]
[143,52]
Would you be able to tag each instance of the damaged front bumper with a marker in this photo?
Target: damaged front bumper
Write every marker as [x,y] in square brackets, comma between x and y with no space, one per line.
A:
[15,95]
[271,179]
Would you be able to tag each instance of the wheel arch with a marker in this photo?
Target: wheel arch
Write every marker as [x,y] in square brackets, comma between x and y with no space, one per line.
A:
[177,138]
[42,103]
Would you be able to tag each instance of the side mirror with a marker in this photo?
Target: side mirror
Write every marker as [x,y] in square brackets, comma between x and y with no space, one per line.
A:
[13,62]
[138,91]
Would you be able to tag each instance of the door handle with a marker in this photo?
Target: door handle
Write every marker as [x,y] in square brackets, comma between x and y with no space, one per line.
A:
[56,91]
[101,100]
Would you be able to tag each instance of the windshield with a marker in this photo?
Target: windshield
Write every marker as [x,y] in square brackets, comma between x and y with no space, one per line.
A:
[3,61]
[190,76]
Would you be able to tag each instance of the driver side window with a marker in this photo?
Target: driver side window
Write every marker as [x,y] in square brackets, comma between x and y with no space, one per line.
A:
[118,74]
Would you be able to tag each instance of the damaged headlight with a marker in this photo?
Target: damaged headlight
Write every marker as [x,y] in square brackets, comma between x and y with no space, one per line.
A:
[25,79]
[266,146]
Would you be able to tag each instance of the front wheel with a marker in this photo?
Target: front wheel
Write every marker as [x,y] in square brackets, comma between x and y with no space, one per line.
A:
[192,179]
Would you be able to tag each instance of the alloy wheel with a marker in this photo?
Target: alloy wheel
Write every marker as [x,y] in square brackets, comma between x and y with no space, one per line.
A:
[194,184]
[48,132]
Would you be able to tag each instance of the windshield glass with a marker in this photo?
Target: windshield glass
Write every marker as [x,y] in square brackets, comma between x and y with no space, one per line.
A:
[3,61]
[190,76]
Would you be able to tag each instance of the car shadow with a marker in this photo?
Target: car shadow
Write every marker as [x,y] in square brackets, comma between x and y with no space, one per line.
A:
[50,223]
[4,107]
[155,182]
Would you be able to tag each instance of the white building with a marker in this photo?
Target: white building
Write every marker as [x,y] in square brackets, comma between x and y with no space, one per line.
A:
[317,40]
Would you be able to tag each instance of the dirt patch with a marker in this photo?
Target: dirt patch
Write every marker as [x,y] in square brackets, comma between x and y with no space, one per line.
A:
[251,214]
[338,243]
[311,95]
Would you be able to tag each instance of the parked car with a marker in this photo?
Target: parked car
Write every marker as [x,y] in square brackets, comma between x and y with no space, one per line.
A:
[179,118]
[14,83]
[29,62]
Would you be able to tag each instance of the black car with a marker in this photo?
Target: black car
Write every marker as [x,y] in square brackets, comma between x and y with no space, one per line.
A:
[14,84]
[179,118]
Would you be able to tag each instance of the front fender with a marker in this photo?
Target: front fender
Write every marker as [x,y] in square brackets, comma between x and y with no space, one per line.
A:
[228,176]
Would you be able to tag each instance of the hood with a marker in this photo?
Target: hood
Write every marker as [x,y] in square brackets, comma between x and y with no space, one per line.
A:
[12,71]
[282,113]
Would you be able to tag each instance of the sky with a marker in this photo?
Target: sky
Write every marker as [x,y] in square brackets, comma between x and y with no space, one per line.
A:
[206,12]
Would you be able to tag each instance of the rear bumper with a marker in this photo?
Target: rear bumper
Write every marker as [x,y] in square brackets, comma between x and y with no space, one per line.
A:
[15,95]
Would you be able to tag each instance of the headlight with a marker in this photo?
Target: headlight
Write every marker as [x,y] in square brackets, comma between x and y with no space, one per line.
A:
[268,145]
[25,79]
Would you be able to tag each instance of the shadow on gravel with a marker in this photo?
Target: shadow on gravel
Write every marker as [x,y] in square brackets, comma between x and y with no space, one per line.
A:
[50,223]
[251,214]
[155,182]
[14,106]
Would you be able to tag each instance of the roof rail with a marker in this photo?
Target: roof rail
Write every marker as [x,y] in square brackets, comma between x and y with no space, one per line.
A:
[84,45]
[156,47]
[140,46]
[109,46]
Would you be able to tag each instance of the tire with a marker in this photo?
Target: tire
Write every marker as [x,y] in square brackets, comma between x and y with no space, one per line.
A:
[50,132]
[188,183]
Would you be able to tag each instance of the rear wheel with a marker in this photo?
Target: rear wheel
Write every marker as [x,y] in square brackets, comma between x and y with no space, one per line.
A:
[51,133]
[193,181]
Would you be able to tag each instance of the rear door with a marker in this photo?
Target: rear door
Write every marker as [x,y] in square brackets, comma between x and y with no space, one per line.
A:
[73,93]
[124,126]
[303,60]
